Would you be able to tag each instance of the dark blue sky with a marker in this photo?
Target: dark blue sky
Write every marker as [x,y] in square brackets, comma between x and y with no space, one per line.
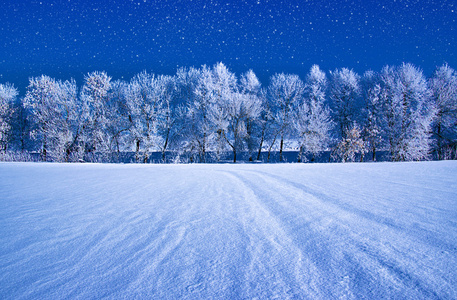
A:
[69,38]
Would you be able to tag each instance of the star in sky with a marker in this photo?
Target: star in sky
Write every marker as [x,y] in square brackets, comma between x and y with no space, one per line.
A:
[66,39]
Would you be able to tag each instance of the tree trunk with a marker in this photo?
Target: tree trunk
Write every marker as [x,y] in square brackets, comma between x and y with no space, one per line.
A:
[203,150]
[45,148]
[260,146]
[280,149]
[300,154]
[439,142]
[137,151]
[165,145]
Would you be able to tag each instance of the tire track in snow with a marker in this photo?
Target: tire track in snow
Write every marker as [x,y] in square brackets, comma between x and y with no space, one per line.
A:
[276,262]
[422,234]
[207,258]
[359,254]
[318,275]
[215,231]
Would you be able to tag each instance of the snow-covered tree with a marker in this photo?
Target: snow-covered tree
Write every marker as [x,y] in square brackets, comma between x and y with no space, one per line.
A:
[313,126]
[53,110]
[116,111]
[285,92]
[95,98]
[198,132]
[41,100]
[185,141]
[8,95]
[408,113]
[235,128]
[146,99]
[250,86]
[67,145]
[186,81]
[372,117]
[344,96]
[208,109]
[222,85]
[20,128]
[242,111]
[265,121]
[207,114]
[312,121]
[351,145]
[443,86]
[169,128]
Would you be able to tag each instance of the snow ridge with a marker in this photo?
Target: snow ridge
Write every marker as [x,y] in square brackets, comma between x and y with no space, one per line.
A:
[289,231]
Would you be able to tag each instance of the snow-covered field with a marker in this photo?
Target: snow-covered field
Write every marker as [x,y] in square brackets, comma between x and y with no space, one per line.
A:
[321,231]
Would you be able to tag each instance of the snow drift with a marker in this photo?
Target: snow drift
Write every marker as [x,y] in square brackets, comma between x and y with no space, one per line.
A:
[385,230]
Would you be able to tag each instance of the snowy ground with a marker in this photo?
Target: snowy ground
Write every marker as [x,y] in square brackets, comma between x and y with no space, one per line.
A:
[88,231]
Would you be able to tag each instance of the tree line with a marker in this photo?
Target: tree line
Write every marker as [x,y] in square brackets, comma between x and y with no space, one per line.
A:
[201,114]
